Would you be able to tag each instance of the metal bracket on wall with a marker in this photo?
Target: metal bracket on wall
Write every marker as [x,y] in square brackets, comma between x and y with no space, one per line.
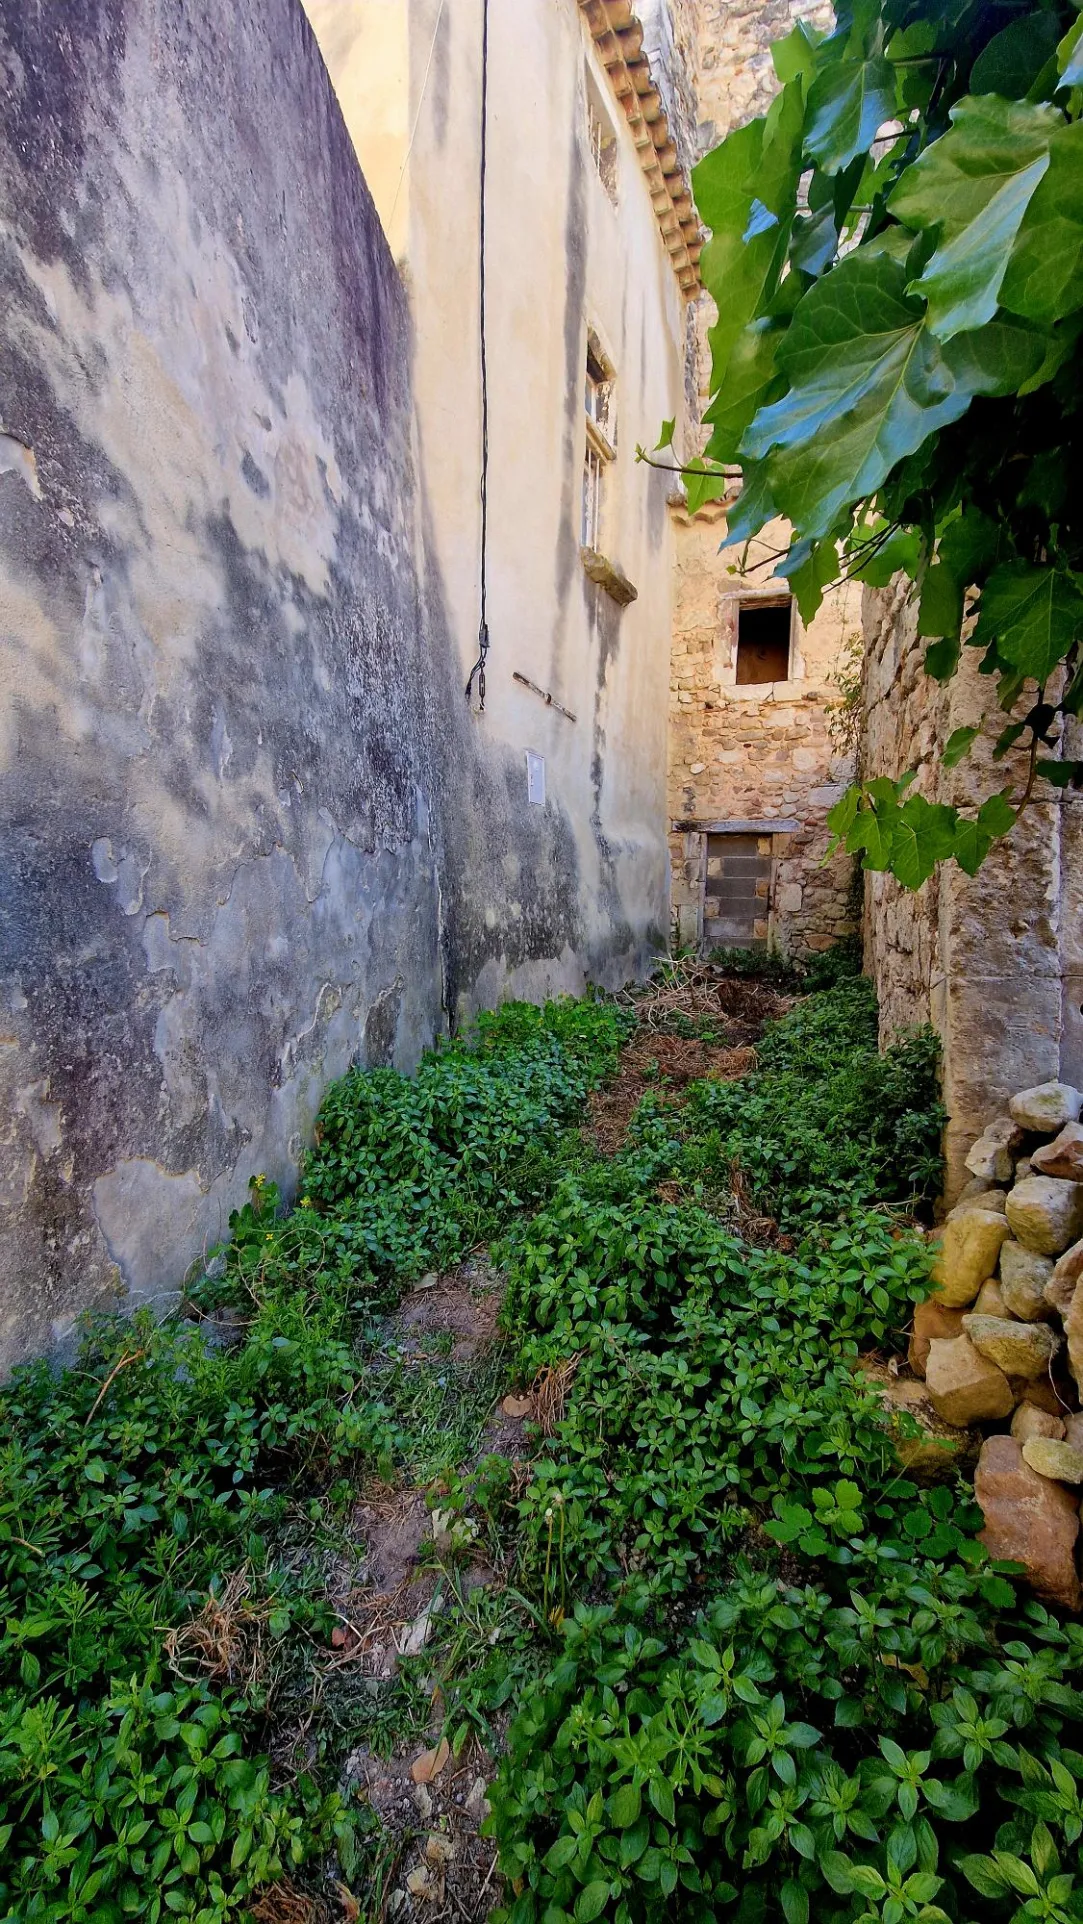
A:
[549,700]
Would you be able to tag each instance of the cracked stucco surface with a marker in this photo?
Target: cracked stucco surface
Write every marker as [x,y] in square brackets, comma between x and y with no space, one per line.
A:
[219,852]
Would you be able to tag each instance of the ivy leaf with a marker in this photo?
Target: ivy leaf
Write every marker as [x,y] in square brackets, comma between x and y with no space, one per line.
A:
[940,612]
[751,380]
[975,837]
[1032,614]
[1061,774]
[1011,61]
[810,567]
[795,57]
[942,657]
[847,103]
[924,836]
[665,439]
[1044,280]
[759,165]
[958,743]
[815,241]
[869,384]
[972,188]
[1070,56]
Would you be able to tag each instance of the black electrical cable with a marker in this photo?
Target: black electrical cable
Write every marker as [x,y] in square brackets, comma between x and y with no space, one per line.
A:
[478,670]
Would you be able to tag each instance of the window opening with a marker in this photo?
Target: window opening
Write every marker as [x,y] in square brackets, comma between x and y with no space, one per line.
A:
[763,641]
[591,530]
[599,449]
[602,141]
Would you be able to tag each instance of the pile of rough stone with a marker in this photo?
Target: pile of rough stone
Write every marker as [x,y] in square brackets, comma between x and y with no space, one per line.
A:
[1001,1341]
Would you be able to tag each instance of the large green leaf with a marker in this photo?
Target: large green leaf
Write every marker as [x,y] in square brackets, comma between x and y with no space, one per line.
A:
[966,551]
[869,384]
[751,377]
[1011,61]
[847,103]
[746,191]
[924,835]
[1032,614]
[972,187]
[1044,280]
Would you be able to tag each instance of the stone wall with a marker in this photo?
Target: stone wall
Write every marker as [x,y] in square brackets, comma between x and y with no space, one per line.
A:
[754,754]
[994,962]
[771,753]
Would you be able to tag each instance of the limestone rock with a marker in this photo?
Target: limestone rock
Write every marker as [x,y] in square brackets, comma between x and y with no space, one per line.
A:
[1029,1520]
[990,1301]
[1061,1461]
[989,1199]
[1066,1273]
[964,1386]
[1023,1277]
[1030,1421]
[969,1245]
[1043,1393]
[1063,1156]
[1046,1108]
[1022,1169]
[1045,1213]
[931,1320]
[992,1155]
[1019,1349]
[1073,1330]
[1073,1431]
[973,1191]
[938,1448]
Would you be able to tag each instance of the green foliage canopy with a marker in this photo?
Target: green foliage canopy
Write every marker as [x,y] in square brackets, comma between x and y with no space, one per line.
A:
[897,259]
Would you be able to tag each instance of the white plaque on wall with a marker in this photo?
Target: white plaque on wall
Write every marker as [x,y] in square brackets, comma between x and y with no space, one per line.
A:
[535,778]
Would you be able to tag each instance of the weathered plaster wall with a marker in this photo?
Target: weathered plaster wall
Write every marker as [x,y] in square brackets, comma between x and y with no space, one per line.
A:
[765,753]
[995,961]
[543,896]
[218,866]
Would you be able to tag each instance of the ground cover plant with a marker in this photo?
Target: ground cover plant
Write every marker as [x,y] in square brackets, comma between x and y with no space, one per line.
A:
[751,1670]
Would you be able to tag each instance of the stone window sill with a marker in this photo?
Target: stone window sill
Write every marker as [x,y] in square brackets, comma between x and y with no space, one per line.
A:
[608,576]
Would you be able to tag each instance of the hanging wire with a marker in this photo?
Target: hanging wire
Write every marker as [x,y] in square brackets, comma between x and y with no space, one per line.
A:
[478,670]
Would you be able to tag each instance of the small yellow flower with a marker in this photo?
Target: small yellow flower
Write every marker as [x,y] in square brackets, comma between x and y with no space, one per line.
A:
[306,1202]
[258,1182]
[270,1236]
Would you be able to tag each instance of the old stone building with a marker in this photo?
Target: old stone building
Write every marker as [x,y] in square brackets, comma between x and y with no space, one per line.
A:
[758,746]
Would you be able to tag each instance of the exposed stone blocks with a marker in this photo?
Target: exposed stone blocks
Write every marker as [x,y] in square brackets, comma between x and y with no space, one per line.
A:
[992,961]
[756,753]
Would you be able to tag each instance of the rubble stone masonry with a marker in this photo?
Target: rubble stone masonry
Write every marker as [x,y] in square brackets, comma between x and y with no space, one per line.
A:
[762,753]
[993,961]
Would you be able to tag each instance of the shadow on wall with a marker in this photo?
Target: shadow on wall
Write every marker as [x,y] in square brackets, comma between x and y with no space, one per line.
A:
[248,833]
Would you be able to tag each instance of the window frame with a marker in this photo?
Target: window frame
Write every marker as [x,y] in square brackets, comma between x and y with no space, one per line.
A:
[751,604]
[599,440]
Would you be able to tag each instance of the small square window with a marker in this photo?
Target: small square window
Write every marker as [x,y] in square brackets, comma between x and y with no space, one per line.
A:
[763,641]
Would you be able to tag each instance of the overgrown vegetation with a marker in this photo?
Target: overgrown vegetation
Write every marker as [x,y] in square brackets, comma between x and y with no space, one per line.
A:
[755,1671]
[897,257]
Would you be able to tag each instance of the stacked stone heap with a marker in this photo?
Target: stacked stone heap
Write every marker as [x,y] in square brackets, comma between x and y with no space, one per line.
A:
[1001,1340]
